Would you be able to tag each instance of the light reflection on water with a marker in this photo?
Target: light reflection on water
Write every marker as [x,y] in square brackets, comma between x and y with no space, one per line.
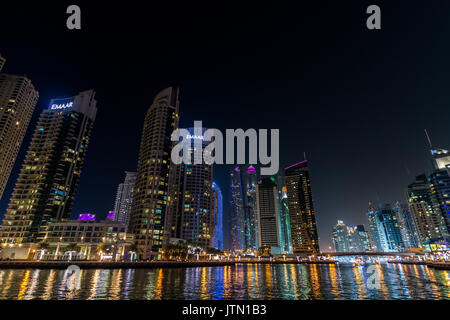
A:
[242,281]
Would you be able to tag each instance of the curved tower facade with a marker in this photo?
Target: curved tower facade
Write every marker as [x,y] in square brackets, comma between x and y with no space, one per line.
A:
[155,174]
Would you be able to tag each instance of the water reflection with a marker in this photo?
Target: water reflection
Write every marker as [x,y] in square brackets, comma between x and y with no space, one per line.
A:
[242,281]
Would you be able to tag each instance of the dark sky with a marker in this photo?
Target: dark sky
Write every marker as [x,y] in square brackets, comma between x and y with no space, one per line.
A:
[356,101]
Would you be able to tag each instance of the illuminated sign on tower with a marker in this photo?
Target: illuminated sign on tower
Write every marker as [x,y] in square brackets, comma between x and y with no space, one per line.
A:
[58,104]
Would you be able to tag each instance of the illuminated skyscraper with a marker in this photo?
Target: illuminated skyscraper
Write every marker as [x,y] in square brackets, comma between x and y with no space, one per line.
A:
[423,209]
[193,217]
[238,213]
[17,101]
[217,241]
[385,229]
[267,208]
[301,209]
[407,225]
[339,237]
[154,175]
[439,182]
[50,173]
[122,205]
[283,216]
[250,181]
[243,189]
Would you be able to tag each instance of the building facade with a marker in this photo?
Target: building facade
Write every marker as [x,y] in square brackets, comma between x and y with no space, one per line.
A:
[388,235]
[48,179]
[122,205]
[301,209]
[283,216]
[86,238]
[18,98]
[428,222]
[267,209]
[407,225]
[339,237]
[154,176]
[217,224]
[238,214]
[193,217]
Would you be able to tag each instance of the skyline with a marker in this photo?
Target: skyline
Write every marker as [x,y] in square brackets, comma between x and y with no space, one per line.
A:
[391,146]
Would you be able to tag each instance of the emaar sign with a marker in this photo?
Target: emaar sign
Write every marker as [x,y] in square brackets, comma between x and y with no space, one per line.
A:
[61,104]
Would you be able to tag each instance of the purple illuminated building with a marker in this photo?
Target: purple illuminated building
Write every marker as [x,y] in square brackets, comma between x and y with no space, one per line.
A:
[86,217]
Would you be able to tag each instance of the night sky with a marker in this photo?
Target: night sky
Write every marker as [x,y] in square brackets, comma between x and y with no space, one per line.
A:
[355,100]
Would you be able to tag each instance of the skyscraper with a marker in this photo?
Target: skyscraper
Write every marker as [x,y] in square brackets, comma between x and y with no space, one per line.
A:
[192,219]
[358,239]
[217,241]
[267,208]
[238,213]
[373,230]
[407,225]
[339,237]
[389,238]
[439,182]
[350,238]
[301,209]
[155,175]
[18,98]
[428,222]
[243,190]
[122,205]
[283,216]
[250,180]
[51,170]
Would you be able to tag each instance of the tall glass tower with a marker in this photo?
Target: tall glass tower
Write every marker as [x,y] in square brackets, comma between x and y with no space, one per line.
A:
[122,205]
[301,209]
[217,241]
[238,213]
[192,218]
[155,174]
[18,99]
[50,173]
[267,208]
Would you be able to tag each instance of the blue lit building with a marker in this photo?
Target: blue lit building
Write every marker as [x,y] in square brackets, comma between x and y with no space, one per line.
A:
[244,216]
[385,229]
[217,220]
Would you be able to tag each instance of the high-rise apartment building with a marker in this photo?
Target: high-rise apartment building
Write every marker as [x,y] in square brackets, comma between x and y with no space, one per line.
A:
[439,183]
[50,173]
[243,189]
[388,237]
[350,238]
[18,99]
[217,223]
[192,218]
[155,174]
[283,216]
[407,225]
[428,222]
[122,205]
[301,209]
[267,208]
[339,237]
[238,235]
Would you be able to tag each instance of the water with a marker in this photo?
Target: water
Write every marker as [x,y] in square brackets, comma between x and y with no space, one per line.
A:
[253,281]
